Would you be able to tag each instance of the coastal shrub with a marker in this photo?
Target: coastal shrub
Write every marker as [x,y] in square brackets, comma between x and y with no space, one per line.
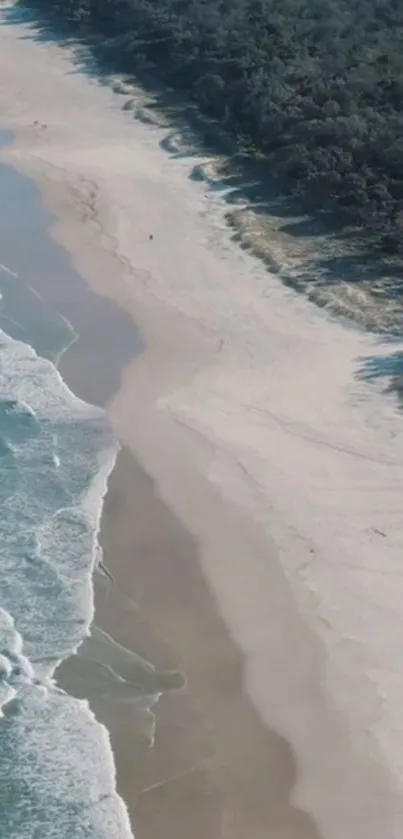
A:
[314,85]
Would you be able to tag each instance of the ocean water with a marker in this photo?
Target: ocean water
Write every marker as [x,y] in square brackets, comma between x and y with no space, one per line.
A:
[56,451]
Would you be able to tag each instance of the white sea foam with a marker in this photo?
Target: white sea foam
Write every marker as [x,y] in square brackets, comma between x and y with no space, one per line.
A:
[8,271]
[56,771]
[56,766]
[294,433]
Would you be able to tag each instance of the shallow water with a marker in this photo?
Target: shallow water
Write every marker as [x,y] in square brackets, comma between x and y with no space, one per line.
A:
[56,451]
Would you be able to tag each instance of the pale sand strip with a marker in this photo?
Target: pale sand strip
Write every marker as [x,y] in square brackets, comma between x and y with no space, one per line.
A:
[253,389]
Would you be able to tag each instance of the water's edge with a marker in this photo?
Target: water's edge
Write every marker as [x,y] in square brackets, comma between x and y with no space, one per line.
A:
[38,337]
[71,359]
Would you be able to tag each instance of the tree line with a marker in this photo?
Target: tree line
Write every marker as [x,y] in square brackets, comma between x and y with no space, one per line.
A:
[314,85]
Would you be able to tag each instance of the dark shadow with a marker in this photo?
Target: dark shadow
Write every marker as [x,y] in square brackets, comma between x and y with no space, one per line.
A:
[386,367]
[333,256]
[249,177]
[305,227]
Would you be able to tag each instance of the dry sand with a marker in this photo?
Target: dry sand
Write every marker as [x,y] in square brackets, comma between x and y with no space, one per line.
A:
[263,552]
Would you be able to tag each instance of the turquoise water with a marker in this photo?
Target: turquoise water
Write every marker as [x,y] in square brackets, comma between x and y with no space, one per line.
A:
[56,451]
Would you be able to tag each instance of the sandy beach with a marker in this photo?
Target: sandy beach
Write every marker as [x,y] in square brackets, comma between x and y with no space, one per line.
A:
[253,523]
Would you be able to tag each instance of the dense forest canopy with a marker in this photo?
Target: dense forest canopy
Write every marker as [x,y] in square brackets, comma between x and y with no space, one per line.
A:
[316,85]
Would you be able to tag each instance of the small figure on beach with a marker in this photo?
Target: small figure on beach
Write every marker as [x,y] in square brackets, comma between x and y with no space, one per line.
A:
[151,237]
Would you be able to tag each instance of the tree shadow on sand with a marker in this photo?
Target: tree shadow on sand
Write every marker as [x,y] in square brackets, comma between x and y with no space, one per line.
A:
[321,261]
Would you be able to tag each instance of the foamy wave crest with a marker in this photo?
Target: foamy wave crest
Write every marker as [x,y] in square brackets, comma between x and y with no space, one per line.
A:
[14,667]
[56,771]
[54,448]
[56,452]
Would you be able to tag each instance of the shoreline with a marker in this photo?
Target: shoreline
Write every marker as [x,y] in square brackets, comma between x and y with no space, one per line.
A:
[194,775]
[198,818]
[186,381]
[270,754]
[186,759]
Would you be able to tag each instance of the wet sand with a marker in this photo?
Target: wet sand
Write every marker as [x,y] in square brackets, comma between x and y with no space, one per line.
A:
[237,531]
[213,769]
[200,762]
